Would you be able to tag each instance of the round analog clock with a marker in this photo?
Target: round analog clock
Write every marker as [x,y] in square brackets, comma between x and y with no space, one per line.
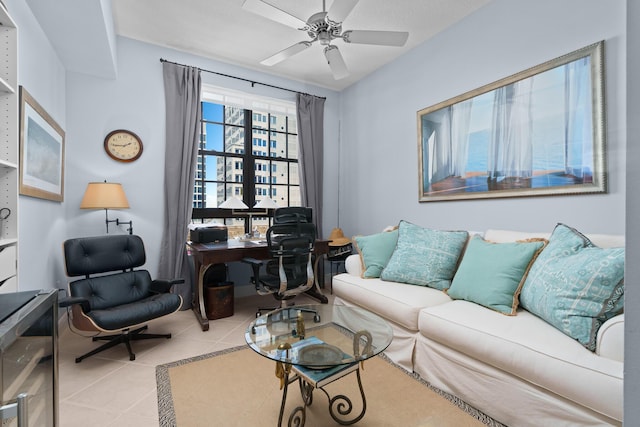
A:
[123,145]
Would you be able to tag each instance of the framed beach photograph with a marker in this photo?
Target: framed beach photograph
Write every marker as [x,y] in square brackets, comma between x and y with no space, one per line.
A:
[41,151]
[538,132]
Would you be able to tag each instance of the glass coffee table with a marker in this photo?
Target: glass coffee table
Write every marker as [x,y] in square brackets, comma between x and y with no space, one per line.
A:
[316,345]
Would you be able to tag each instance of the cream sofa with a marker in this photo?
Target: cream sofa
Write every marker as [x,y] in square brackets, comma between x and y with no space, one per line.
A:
[519,369]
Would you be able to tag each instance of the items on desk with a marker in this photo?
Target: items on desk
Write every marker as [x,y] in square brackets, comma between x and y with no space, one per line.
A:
[209,233]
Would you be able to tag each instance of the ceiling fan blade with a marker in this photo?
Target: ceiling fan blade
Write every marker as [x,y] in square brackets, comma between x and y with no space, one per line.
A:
[336,62]
[270,11]
[384,38]
[339,11]
[285,53]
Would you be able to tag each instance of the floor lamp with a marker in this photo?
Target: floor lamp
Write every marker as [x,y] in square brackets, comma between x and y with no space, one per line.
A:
[106,195]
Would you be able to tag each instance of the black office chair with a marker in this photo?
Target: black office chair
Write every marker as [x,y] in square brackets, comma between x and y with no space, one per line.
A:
[290,271]
[119,301]
[292,214]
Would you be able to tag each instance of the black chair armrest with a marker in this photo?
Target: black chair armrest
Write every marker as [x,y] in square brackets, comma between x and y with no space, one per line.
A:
[162,286]
[69,301]
[255,266]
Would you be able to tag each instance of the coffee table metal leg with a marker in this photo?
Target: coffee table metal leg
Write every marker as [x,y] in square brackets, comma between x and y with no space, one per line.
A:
[306,391]
[298,416]
[340,406]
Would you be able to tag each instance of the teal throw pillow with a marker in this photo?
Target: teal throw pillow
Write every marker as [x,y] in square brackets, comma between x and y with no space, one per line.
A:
[425,257]
[375,251]
[492,274]
[574,285]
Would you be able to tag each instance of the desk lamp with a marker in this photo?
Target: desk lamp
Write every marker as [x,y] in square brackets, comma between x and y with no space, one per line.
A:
[266,204]
[233,203]
[106,195]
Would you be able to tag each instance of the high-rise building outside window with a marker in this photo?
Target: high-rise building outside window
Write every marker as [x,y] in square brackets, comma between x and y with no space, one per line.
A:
[228,165]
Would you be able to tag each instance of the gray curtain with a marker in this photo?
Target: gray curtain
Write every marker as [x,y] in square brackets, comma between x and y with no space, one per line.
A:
[310,114]
[182,104]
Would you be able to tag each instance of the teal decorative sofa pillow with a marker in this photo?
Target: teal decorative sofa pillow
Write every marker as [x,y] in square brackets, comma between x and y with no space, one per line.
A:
[492,274]
[425,257]
[375,251]
[574,285]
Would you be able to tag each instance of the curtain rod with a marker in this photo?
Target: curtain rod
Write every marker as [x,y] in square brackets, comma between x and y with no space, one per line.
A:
[253,83]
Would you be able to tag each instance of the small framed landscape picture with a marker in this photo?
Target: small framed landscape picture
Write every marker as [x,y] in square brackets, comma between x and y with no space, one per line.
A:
[41,151]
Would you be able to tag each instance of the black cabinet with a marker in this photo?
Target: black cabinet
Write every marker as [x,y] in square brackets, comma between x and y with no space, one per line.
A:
[29,357]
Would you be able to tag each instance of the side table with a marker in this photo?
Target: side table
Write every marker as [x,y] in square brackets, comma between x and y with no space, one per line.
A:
[317,345]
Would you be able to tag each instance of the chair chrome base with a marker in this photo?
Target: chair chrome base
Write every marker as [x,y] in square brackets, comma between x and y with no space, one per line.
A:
[124,338]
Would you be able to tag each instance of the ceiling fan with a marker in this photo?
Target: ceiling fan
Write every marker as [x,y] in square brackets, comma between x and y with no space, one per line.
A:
[324,27]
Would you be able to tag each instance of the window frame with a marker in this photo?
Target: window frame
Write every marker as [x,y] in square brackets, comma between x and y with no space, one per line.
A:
[249,161]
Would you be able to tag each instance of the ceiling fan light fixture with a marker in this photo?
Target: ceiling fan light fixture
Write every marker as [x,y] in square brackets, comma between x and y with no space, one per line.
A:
[323,27]
[324,38]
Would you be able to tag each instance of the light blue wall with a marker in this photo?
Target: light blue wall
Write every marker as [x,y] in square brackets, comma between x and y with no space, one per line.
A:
[379,148]
[94,106]
[135,101]
[42,223]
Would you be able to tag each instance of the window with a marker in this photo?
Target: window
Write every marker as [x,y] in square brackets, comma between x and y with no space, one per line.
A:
[230,163]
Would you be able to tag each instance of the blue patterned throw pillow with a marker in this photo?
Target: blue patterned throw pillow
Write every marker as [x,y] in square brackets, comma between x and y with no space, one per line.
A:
[425,257]
[574,285]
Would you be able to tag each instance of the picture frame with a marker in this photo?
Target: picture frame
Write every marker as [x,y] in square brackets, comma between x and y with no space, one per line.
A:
[41,151]
[539,132]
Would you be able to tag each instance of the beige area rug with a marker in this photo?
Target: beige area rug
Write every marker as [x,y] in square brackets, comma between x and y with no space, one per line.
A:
[237,387]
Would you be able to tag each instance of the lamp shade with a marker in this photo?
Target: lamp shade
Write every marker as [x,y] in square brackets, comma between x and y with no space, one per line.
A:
[233,203]
[104,195]
[266,203]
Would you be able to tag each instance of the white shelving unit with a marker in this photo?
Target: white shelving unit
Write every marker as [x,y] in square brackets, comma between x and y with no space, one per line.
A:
[9,152]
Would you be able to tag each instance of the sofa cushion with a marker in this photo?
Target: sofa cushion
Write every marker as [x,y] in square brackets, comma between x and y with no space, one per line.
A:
[574,285]
[397,302]
[492,274]
[528,347]
[375,251]
[424,256]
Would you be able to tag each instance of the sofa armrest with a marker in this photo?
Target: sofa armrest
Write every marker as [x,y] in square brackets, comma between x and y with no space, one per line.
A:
[353,265]
[610,339]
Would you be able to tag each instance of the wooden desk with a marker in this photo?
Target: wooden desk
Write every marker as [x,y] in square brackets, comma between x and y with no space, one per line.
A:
[205,254]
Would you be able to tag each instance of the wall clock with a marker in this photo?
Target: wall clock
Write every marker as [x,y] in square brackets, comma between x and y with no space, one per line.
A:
[123,145]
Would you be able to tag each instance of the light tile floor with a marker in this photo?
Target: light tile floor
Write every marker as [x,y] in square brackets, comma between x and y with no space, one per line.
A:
[108,390]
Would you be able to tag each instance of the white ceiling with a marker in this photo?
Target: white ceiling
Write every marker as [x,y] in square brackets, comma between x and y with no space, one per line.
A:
[223,30]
